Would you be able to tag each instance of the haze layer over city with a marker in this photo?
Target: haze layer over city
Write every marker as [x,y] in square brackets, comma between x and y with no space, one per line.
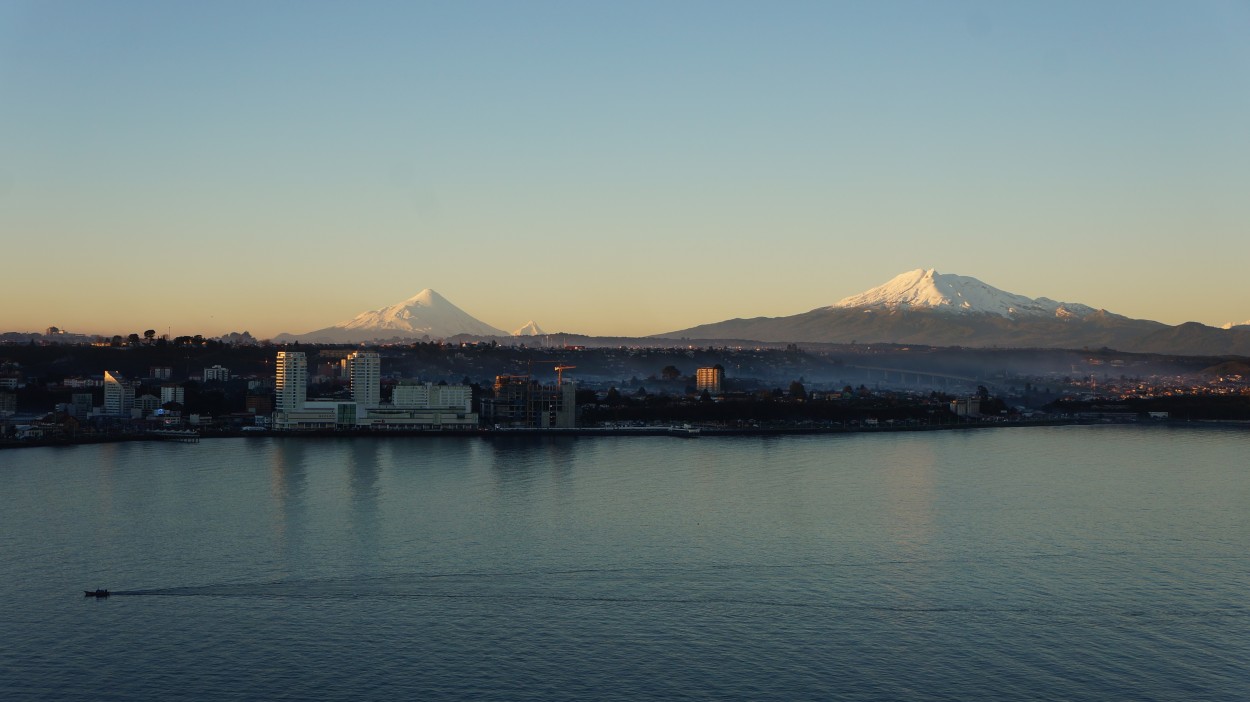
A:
[613,170]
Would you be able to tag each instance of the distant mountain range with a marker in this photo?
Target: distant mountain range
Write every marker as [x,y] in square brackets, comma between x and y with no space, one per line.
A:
[935,309]
[921,307]
[424,315]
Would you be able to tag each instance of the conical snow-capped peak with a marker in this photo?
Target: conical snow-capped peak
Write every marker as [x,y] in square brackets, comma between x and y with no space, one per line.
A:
[426,313]
[426,298]
[530,328]
[926,289]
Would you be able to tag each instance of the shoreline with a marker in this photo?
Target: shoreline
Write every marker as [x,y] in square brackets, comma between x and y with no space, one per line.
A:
[681,432]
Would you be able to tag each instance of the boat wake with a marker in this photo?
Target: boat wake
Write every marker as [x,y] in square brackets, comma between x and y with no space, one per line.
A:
[713,586]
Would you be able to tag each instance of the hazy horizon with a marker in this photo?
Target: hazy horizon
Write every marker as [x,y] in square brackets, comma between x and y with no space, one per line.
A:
[507,328]
[613,170]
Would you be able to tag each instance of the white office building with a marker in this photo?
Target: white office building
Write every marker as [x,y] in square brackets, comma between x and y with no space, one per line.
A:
[428,396]
[216,373]
[292,381]
[173,393]
[365,373]
[119,394]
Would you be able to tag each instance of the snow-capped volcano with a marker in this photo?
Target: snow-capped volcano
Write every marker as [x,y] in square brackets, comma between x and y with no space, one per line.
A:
[530,328]
[935,309]
[425,314]
[944,292]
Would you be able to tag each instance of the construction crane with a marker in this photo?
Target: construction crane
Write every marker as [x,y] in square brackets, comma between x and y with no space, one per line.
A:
[560,368]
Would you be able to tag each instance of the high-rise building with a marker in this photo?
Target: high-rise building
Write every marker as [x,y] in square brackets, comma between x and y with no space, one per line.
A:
[520,401]
[292,381]
[710,379]
[119,394]
[365,372]
[173,393]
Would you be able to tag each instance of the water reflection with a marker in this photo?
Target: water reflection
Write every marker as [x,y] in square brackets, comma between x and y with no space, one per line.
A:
[363,470]
[110,458]
[562,453]
[512,463]
[909,480]
[288,482]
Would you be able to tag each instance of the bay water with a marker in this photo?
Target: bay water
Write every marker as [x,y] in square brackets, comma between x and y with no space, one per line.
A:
[1057,563]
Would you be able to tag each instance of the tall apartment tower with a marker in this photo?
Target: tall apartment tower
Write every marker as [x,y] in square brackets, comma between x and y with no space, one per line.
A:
[710,379]
[292,381]
[365,369]
[119,394]
[173,393]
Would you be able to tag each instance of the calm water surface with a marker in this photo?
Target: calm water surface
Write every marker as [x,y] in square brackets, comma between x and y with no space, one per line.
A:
[1073,563]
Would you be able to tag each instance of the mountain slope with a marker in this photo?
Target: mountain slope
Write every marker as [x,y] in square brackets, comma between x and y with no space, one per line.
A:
[425,314]
[925,307]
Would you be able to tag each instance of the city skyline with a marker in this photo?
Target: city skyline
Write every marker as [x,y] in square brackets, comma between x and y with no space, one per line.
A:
[613,170]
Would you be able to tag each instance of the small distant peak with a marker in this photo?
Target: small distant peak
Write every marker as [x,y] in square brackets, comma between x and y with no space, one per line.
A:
[530,328]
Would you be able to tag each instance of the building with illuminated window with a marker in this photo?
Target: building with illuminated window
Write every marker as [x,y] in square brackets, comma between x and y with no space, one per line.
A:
[119,394]
[710,379]
[292,381]
[364,370]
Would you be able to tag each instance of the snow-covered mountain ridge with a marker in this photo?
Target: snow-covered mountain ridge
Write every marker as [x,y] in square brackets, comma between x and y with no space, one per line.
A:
[923,289]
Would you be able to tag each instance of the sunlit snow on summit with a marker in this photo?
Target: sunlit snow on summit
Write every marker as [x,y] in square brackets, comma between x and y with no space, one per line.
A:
[946,292]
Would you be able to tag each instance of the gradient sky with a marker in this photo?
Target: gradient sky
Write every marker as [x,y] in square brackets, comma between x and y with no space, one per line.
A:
[613,168]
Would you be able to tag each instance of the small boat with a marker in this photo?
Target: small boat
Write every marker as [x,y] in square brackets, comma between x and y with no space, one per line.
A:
[95,593]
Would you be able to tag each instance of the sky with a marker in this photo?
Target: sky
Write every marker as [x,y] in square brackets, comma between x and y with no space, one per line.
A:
[622,168]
